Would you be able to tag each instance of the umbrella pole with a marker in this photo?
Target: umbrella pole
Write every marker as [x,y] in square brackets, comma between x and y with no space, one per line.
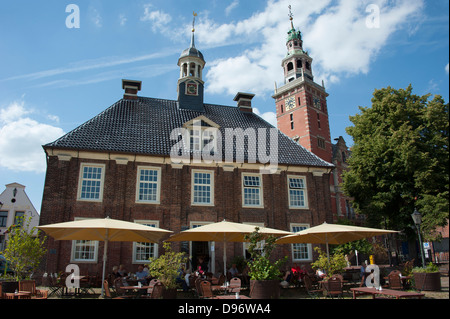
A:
[104,264]
[224,258]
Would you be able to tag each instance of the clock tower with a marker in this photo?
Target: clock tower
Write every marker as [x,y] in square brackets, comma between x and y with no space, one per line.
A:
[190,84]
[301,103]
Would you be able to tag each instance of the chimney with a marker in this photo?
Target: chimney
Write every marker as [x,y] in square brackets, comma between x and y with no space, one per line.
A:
[244,101]
[131,89]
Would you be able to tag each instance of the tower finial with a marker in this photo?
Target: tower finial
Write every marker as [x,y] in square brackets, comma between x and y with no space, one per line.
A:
[193,31]
[193,22]
[291,16]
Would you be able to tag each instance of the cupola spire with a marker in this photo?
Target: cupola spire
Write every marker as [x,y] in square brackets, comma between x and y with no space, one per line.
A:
[190,84]
[193,31]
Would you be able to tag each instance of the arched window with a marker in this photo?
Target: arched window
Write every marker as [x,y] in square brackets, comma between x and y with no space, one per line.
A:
[299,64]
[192,69]
[290,66]
[308,66]
[185,70]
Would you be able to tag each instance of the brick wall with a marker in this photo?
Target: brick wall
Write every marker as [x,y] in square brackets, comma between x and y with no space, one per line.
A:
[175,211]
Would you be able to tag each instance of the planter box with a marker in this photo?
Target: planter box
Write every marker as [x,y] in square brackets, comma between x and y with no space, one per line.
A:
[427,281]
[264,289]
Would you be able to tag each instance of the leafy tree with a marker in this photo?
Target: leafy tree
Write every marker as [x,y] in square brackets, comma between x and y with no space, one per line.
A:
[260,266]
[400,160]
[167,266]
[24,248]
[333,265]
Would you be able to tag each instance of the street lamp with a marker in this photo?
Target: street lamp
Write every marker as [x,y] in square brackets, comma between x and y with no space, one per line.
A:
[417,218]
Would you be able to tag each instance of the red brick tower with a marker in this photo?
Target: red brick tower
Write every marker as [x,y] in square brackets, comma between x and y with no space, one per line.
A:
[301,103]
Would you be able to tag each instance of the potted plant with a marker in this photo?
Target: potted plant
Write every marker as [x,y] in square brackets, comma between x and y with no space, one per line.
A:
[428,278]
[331,266]
[264,273]
[167,268]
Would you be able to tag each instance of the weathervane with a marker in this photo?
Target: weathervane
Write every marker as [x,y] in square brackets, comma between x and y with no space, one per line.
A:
[193,22]
[291,16]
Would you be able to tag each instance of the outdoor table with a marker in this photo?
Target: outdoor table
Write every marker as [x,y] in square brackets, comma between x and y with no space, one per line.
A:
[18,295]
[221,288]
[386,292]
[136,290]
[231,297]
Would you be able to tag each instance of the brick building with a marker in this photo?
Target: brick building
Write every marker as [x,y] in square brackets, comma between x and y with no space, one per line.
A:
[302,114]
[179,164]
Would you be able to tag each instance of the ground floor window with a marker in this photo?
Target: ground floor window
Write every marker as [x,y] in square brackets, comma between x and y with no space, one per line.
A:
[142,252]
[300,252]
[84,250]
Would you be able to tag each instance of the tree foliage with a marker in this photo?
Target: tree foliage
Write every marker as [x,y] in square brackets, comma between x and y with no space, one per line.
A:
[24,248]
[167,266]
[400,160]
[333,265]
[261,267]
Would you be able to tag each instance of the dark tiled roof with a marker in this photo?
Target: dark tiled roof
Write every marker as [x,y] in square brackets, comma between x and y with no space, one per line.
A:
[143,126]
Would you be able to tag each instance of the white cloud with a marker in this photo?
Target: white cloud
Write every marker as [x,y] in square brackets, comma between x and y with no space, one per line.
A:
[334,32]
[159,19]
[269,117]
[446,68]
[231,7]
[21,139]
[122,19]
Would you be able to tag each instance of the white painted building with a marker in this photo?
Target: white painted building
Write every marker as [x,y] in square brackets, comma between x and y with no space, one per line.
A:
[14,203]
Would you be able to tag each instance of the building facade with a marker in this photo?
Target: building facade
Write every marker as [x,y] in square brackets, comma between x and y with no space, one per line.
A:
[15,207]
[180,164]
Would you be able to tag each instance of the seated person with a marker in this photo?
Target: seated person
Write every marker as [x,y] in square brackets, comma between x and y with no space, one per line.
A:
[122,272]
[115,272]
[233,270]
[142,275]
[320,274]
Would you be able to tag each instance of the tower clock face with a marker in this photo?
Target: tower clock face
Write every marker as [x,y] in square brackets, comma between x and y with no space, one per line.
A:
[316,101]
[191,89]
[290,103]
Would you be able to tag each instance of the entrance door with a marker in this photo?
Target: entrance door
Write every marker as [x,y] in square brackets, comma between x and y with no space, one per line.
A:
[201,250]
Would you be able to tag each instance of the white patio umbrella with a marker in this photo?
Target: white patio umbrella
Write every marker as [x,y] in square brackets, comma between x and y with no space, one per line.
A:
[332,234]
[104,229]
[224,231]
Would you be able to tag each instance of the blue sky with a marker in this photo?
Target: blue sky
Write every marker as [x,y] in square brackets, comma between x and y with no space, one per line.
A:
[54,78]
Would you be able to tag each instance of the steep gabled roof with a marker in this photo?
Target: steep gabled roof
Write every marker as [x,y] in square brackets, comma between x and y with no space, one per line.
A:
[143,126]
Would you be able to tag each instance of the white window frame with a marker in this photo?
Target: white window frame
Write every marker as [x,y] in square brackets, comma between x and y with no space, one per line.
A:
[158,185]
[136,245]
[198,139]
[92,243]
[260,188]
[295,247]
[211,173]
[304,189]
[81,179]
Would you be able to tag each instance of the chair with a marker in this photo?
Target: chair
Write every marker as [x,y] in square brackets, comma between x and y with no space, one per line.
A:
[235,285]
[314,293]
[30,286]
[198,287]
[108,294]
[333,287]
[205,287]
[395,282]
[158,291]
[221,280]
[55,287]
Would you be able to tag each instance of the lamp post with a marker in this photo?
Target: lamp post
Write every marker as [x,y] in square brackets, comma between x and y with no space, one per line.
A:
[417,218]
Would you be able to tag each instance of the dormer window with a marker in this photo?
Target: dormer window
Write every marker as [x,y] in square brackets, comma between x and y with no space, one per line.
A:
[203,135]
